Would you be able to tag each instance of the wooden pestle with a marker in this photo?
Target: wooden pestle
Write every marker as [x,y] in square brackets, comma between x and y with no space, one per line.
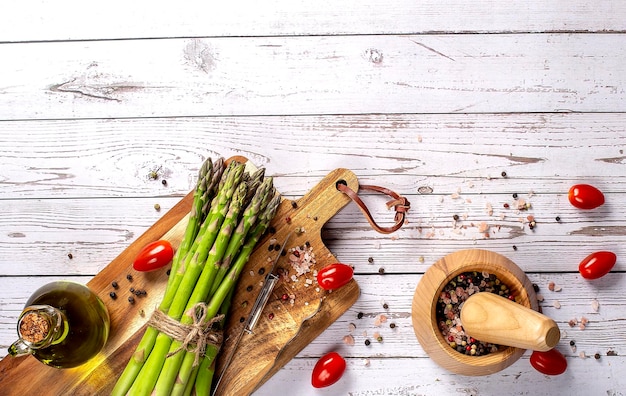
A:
[492,318]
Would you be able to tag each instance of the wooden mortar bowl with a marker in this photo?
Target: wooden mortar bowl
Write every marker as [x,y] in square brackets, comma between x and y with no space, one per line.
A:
[425,303]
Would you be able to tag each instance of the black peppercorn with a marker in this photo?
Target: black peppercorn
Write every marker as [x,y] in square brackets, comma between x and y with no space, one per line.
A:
[392,325]
[535,287]
[503,174]
[70,256]
[294,204]
[113,295]
[359,315]
[249,288]
[572,343]
[558,219]
[385,306]
[164,182]
[114,284]
[129,277]
[514,247]
[455,217]
[261,271]
[131,299]
[514,195]
[597,356]
[370,260]
[367,342]
[381,270]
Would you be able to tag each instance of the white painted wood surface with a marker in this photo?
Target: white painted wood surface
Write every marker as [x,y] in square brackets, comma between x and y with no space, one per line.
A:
[417,96]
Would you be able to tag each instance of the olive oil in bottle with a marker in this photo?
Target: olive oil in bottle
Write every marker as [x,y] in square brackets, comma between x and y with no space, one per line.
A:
[64,324]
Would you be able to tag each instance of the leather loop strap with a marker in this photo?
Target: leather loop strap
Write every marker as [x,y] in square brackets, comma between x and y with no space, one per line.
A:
[400,204]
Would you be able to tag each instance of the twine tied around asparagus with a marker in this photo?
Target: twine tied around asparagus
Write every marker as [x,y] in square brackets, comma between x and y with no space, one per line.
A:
[195,337]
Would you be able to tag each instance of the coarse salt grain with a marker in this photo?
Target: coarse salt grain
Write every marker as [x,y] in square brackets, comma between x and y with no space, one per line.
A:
[348,339]
[556,304]
[595,305]
[551,286]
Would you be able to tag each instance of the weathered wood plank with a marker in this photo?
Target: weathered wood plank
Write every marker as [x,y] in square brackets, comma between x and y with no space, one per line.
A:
[314,75]
[36,236]
[602,333]
[544,153]
[390,377]
[119,19]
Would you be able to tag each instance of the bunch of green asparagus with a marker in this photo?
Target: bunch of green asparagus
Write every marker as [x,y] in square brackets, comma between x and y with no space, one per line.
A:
[231,211]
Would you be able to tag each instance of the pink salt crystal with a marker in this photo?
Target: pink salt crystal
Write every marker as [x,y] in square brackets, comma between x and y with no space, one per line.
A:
[348,339]
[595,305]
[551,286]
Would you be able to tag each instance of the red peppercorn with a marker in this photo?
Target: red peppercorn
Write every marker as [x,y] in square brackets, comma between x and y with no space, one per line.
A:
[506,205]
[270,316]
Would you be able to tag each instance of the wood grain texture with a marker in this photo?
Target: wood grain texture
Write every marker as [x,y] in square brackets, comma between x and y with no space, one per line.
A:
[314,75]
[544,153]
[283,17]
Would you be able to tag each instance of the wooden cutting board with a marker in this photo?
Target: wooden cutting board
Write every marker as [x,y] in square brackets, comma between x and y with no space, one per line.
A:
[294,323]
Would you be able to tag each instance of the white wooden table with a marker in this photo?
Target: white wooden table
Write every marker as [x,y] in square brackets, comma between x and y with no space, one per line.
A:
[432,99]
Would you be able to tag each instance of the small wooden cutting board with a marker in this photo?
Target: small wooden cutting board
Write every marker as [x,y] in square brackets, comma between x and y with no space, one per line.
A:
[294,323]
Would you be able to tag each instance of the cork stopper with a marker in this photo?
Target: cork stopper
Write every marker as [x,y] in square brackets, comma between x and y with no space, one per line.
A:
[34,327]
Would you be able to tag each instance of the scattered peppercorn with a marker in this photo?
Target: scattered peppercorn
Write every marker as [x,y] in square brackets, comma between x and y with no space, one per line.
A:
[392,325]
[283,253]
[277,247]
[381,270]
[597,356]
[285,297]
[168,272]
[270,248]
[113,295]
[164,182]
[359,315]
[535,287]
[503,174]
[131,299]
[307,244]
[157,207]
[242,319]
[315,218]
[532,225]
[249,288]
[514,195]
[558,218]
[132,290]
[506,205]
[70,256]
[288,220]
[514,247]
[370,260]
[379,338]
[572,343]
[385,306]
[261,271]
[294,204]
[129,277]
[270,316]
[611,353]
[367,342]
[455,217]
[114,284]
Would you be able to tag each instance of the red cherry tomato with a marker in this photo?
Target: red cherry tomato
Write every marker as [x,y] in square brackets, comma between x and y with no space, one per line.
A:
[153,256]
[597,264]
[585,196]
[328,370]
[334,276]
[551,362]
